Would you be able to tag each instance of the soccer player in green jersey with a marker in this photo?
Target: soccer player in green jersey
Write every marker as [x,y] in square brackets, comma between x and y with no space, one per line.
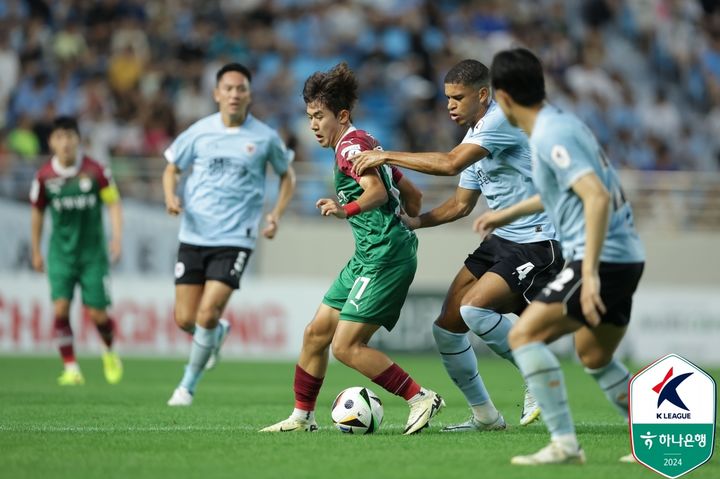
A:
[74,186]
[371,289]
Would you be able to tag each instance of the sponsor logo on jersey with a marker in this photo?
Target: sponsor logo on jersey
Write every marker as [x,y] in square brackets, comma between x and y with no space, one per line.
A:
[53,185]
[74,202]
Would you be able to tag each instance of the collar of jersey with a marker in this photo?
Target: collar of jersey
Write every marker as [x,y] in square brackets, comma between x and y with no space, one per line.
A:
[66,171]
[480,121]
[349,130]
[235,129]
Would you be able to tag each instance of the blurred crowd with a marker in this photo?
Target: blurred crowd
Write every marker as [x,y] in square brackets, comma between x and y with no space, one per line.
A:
[645,74]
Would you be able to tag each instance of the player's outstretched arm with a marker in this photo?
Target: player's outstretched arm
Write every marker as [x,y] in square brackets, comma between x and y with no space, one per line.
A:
[490,220]
[37,216]
[456,207]
[410,195]
[436,163]
[169,182]
[286,190]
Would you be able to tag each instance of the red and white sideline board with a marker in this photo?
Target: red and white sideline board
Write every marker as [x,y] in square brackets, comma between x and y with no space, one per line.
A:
[269,316]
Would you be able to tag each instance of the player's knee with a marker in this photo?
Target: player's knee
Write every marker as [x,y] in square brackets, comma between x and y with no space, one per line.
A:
[61,309]
[208,316]
[184,320]
[316,337]
[594,358]
[452,322]
[475,299]
[343,353]
[518,336]
[97,316]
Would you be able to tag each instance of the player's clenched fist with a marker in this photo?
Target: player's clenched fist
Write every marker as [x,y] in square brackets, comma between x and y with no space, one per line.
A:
[328,206]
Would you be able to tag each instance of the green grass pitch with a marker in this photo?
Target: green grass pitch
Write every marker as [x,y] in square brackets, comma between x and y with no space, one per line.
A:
[127,431]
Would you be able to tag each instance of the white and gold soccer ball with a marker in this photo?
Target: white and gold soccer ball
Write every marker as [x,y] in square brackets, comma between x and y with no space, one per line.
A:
[357,410]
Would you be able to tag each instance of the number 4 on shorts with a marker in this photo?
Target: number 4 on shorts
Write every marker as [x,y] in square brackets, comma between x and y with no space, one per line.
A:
[524,269]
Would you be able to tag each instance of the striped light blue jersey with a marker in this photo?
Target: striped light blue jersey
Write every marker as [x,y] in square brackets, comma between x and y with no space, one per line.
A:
[505,175]
[564,149]
[223,196]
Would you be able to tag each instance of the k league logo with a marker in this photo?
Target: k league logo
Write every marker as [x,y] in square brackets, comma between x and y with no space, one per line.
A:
[672,416]
[667,391]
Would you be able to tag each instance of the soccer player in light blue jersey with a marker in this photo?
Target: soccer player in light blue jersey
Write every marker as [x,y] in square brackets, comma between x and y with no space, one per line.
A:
[226,154]
[592,296]
[510,266]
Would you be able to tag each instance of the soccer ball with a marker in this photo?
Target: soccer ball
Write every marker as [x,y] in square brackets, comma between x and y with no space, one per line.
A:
[357,410]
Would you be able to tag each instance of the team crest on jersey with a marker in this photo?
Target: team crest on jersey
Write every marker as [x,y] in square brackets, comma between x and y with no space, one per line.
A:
[85,184]
[250,148]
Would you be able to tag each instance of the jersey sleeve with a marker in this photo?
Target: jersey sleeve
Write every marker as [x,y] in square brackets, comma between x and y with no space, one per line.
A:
[567,158]
[346,150]
[469,179]
[181,151]
[397,175]
[37,192]
[493,133]
[279,155]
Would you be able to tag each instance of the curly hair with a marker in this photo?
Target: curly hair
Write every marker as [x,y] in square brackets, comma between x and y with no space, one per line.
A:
[336,89]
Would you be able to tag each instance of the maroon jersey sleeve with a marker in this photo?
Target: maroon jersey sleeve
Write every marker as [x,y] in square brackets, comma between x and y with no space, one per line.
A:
[352,144]
[101,173]
[397,175]
[38,199]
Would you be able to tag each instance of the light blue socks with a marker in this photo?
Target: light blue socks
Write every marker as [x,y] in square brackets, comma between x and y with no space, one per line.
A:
[613,379]
[544,378]
[204,340]
[460,363]
[492,327]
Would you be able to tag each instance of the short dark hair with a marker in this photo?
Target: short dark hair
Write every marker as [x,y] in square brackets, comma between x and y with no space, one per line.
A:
[519,73]
[336,89]
[233,67]
[469,73]
[65,123]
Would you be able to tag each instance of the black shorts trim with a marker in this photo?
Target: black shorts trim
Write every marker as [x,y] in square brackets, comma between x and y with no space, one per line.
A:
[618,282]
[198,264]
[525,267]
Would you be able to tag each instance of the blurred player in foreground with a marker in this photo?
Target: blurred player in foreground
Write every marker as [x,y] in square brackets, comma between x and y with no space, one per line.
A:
[592,296]
[74,187]
[221,208]
[371,289]
[510,266]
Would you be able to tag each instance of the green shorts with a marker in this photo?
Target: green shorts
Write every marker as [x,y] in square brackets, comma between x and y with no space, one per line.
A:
[370,293]
[93,278]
